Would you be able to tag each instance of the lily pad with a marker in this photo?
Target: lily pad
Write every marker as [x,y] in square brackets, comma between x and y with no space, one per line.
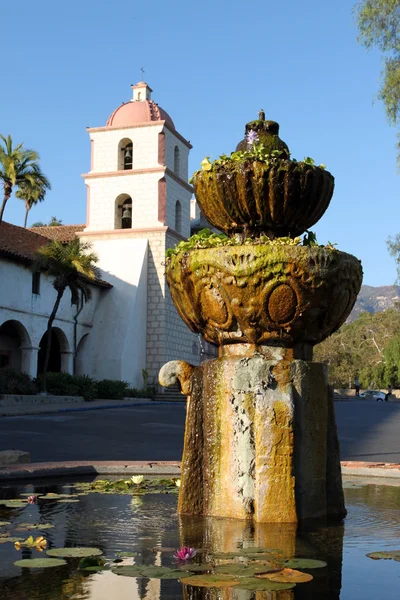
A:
[67,500]
[56,496]
[211,581]
[263,585]
[8,501]
[385,555]
[29,526]
[4,540]
[255,550]
[226,554]
[14,504]
[203,568]
[162,573]
[40,563]
[3,523]
[74,552]
[287,576]
[127,554]
[304,563]
[244,570]
[162,549]
[95,569]
[128,571]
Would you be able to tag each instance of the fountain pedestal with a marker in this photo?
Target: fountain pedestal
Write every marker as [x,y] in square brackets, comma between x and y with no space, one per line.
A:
[260,439]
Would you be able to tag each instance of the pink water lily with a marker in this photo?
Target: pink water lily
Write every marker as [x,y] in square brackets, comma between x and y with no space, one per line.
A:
[185,553]
[32,499]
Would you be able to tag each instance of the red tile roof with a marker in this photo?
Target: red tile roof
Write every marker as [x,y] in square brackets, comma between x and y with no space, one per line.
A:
[20,244]
[61,233]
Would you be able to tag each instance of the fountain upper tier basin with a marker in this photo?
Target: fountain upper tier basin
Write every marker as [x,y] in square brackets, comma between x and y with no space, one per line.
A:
[277,198]
[264,293]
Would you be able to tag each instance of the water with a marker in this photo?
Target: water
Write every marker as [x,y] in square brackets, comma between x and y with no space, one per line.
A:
[121,523]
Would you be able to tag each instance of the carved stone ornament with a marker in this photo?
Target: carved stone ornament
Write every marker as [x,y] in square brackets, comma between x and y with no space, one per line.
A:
[264,294]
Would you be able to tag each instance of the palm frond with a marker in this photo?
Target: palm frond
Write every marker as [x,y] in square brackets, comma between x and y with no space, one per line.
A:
[70,265]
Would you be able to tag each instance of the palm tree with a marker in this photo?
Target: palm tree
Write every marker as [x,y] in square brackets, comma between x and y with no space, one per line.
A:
[73,266]
[18,167]
[31,194]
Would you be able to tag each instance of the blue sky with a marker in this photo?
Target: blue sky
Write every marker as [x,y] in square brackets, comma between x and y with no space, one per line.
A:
[212,66]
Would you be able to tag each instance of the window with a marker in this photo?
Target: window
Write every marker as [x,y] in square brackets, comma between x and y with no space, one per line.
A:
[125,155]
[36,282]
[176,160]
[178,217]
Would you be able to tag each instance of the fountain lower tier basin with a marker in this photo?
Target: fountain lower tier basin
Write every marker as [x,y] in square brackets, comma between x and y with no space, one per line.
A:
[145,527]
[264,293]
[260,440]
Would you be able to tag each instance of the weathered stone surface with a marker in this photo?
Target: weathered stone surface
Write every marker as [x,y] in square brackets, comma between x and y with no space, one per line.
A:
[14,457]
[264,294]
[276,198]
[257,442]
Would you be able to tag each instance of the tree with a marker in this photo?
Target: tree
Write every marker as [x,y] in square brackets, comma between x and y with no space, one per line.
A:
[18,167]
[393,244]
[73,266]
[379,25]
[54,222]
[364,347]
[31,194]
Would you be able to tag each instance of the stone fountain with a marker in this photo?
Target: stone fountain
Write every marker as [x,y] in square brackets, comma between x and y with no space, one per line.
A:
[260,438]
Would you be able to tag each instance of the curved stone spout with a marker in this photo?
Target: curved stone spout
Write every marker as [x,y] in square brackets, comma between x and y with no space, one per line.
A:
[177,371]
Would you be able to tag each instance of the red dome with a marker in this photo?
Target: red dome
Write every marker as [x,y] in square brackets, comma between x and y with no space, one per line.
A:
[143,111]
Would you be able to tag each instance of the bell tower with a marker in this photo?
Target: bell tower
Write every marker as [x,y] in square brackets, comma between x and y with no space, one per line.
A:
[138,205]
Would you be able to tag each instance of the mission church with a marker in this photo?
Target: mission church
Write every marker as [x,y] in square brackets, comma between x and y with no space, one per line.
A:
[138,205]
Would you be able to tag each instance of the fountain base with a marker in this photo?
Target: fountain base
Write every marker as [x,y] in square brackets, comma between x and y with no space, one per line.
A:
[260,439]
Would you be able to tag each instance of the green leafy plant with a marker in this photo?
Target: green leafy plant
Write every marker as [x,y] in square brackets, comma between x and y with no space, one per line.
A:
[206,239]
[254,152]
[65,384]
[110,389]
[15,382]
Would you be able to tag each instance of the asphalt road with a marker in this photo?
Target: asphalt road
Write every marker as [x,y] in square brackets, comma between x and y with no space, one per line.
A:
[368,431]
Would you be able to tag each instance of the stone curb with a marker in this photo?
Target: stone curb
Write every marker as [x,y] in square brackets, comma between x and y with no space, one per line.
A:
[63,469]
[59,409]
[371,469]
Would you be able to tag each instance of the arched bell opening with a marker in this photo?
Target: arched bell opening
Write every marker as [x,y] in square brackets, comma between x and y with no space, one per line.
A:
[123,212]
[125,155]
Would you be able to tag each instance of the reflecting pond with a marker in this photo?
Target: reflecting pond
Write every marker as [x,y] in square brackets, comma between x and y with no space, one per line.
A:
[149,527]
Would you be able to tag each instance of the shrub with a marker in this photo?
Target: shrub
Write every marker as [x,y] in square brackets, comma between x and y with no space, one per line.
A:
[148,392]
[64,384]
[110,389]
[15,382]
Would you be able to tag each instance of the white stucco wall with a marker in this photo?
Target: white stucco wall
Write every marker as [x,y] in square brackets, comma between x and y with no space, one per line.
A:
[105,147]
[117,347]
[176,191]
[171,141]
[141,187]
[31,311]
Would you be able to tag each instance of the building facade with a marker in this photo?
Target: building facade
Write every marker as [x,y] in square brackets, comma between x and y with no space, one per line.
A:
[138,205]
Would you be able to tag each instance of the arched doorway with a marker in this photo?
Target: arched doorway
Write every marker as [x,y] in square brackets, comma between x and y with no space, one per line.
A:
[14,338]
[59,348]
